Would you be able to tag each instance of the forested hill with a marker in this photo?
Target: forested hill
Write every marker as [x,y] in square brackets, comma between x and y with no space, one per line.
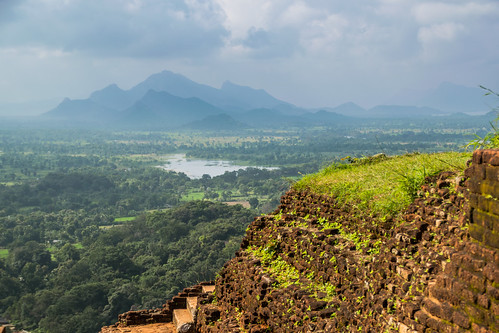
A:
[86,278]
[403,244]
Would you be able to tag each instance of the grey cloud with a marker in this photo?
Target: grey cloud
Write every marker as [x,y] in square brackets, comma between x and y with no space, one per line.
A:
[8,10]
[270,44]
[117,28]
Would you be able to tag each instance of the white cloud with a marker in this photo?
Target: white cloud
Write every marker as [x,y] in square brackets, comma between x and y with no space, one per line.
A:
[440,32]
[299,14]
[456,31]
[429,13]
[324,35]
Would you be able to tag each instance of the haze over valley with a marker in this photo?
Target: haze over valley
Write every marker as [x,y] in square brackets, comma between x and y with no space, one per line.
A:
[139,139]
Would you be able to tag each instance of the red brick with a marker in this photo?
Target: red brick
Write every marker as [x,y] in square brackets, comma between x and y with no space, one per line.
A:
[491,272]
[484,218]
[477,232]
[479,172]
[483,301]
[421,317]
[460,319]
[494,160]
[433,308]
[477,156]
[492,239]
[474,185]
[493,293]
[474,199]
[492,173]
[494,308]
[477,283]
[478,329]
[488,155]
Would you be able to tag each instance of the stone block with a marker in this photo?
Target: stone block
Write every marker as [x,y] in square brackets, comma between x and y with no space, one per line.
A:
[490,156]
[477,283]
[491,239]
[488,187]
[486,219]
[493,293]
[477,157]
[476,314]
[461,319]
[463,293]
[474,185]
[491,272]
[479,172]
[483,301]
[433,308]
[474,199]
[492,173]
[421,317]
[477,231]
[494,308]
[478,329]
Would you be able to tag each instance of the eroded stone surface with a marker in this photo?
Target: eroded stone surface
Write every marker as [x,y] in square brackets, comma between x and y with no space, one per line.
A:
[430,270]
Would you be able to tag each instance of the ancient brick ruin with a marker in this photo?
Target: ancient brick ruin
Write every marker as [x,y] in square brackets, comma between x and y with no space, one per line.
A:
[433,270]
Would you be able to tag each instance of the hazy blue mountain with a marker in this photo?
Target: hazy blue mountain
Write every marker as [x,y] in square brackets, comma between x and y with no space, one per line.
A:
[174,84]
[161,109]
[170,100]
[230,97]
[269,118]
[349,109]
[113,97]
[242,97]
[452,98]
[217,122]
[402,111]
[326,117]
[81,110]
[193,102]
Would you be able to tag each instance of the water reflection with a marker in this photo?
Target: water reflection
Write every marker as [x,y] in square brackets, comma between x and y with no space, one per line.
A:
[195,168]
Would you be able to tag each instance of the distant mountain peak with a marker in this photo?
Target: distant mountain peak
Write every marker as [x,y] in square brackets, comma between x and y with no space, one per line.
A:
[168,76]
[169,97]
[230,86]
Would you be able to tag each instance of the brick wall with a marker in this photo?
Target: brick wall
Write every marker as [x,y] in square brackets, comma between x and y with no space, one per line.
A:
[433,269]
[436,271]
[483,186]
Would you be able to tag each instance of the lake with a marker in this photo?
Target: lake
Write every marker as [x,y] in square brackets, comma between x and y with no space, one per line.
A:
[196,168]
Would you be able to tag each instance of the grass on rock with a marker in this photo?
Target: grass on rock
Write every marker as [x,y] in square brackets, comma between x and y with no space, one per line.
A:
[382,186]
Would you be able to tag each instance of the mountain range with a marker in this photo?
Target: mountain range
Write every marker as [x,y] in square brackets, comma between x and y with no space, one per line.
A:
[167,100]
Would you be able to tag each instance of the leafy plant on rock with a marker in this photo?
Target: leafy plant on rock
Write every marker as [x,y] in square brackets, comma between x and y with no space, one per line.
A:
[491,139]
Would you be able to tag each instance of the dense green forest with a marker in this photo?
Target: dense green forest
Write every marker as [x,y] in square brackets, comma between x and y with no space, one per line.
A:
[85,279]
[90,226]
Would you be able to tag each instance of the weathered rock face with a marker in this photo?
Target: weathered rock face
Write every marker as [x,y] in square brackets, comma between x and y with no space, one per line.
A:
[339,269]
[317,266]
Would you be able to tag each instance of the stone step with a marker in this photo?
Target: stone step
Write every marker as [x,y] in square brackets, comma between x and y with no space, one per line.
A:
[208,288]
[192,303]
[183,321]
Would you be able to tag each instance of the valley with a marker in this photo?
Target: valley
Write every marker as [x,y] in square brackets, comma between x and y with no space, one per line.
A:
[90,227]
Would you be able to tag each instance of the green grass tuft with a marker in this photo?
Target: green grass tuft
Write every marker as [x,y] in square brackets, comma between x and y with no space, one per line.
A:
[4,253]
[383,187]
[125,219]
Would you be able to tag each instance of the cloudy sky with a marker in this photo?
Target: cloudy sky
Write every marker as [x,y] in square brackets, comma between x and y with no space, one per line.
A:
[310,53]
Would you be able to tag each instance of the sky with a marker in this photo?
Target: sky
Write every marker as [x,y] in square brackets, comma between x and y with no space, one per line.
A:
[311,53]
